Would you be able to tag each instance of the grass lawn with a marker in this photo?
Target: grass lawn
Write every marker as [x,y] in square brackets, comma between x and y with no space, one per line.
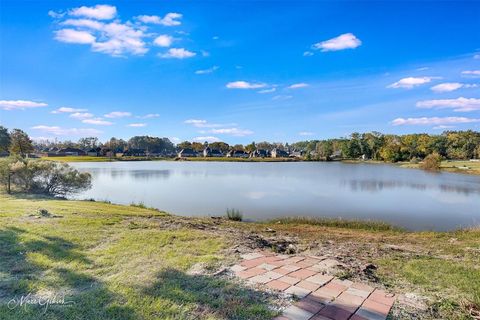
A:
[112,262]
[129,262]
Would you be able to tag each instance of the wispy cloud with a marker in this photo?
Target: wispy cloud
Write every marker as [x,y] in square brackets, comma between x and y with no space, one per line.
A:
[207,71]
[149,116]
[81,115]
[298,85]
[471,73]
[177,53]
[209,139]
[232,131]
[432,121]
[446,87]
[459,104]
[411,82]
[137,125]
[245,85]
[59,131]
[342,42]
[97,122]
[282,97]
[267,90]
[118,114]
[200,123]
[308,54]
[305,133]
[170,19]
[20,104]
[68,110]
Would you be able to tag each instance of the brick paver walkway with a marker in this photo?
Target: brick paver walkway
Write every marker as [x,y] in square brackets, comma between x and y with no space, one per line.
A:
[321,296]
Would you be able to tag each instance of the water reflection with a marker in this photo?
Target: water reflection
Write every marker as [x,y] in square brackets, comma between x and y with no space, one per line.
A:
[410,198]
[373,185]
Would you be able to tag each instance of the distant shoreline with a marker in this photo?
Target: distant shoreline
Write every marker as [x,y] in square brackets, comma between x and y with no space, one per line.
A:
[453,166]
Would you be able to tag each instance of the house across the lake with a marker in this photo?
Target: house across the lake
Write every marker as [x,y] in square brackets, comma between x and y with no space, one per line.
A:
[134,153]
[237,154]
[71,152]
[184,153]
[207,152]
[277,153]
[260,153]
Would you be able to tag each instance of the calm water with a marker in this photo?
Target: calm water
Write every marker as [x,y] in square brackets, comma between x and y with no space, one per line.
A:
[410,198]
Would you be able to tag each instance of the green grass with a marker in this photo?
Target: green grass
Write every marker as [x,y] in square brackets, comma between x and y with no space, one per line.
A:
[339,223]
[113,262]
[132,262]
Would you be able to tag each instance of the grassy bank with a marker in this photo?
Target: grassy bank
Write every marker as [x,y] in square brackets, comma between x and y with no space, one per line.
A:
[131,262]
[457,166]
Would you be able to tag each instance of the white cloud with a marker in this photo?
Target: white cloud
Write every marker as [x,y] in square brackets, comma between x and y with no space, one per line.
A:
[203,123]
[477,56]
[208,139]
[196,122]
[149,116]
[114,38]
[298,86]
[86,23]
[117,114]
[74,36]
[81,115]
[447,87]
[282,97]
[56,15]
[305,133]
[459,104]
[163,40]
[245,85]
[98,122]
[432,121]
[308,54]
[443,127]
[175,139]
[206,71]
[411,82]
[20,104]
[177,53]
[137,125]
[267,90]
[232,131]
[342,42]
[121,39]
[169,20]
[99,12]
[471,73]
[59,131]
[68,110]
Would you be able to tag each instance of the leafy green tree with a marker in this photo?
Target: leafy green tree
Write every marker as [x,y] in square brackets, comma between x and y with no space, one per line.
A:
[20,143]
[4,139]
[222,146]
[251,147]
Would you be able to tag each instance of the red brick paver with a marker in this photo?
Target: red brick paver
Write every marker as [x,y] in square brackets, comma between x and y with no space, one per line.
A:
[322,297]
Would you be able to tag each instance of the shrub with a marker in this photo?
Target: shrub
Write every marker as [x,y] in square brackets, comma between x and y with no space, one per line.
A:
[234,215]
[44,177]
[431,162]
[44,213]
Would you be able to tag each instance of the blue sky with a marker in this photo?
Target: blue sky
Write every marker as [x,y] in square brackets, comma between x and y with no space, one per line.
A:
[238,71]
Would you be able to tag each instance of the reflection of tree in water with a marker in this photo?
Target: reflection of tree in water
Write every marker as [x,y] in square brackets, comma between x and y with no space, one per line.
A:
[136,174]
[379,185]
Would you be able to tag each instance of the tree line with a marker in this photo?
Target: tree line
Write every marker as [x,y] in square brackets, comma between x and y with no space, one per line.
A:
[460,145]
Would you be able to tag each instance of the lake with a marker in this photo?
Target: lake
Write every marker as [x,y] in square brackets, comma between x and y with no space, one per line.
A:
[413,199]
